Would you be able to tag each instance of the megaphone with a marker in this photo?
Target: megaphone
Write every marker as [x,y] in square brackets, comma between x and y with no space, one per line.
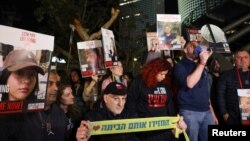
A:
[213,33]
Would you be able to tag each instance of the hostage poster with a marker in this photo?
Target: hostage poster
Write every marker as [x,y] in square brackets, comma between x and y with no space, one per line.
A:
[24,63]
[109,47]
[169,31]
[244,105]
[91,58]
[152,42]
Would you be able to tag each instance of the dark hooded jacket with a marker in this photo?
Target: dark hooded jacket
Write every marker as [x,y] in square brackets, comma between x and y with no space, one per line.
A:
[99,113]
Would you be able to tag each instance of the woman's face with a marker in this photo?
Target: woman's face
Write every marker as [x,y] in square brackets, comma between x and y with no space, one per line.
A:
[21,83]
[67,96]
[74,76]
[117,70]
[161,76]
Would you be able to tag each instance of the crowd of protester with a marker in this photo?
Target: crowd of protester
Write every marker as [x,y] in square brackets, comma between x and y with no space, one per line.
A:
[194,87]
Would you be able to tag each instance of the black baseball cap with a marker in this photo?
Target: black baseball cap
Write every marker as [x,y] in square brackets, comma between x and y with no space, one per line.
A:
[115,88]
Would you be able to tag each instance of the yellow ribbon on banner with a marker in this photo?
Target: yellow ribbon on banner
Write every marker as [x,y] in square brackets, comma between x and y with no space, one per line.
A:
[135,125]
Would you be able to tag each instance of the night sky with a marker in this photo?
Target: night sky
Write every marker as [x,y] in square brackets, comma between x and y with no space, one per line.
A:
[23,12]
[171,6]
[19,14]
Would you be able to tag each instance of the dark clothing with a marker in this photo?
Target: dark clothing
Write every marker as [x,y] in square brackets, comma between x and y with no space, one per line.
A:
[151,102]
[228,99]
[196,98]
[78,89]
[73,123]
[170,38]
[29,126]
[100,112]
[214,96]
[9,126]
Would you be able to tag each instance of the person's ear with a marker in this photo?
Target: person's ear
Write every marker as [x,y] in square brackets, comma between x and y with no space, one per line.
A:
[105,98]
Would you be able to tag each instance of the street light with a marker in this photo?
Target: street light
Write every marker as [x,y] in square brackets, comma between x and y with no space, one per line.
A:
[135,60]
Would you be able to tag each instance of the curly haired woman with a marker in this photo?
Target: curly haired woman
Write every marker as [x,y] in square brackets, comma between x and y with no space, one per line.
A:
[150,96]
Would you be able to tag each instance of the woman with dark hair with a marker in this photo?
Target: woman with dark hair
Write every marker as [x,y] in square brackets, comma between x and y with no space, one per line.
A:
[150,96]
[20,76]
[77,85]
[65,100]
[77,82]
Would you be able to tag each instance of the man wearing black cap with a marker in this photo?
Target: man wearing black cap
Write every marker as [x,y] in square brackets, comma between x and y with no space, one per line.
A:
[111,107]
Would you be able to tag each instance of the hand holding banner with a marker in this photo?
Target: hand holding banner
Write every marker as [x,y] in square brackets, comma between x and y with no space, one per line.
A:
[135,125]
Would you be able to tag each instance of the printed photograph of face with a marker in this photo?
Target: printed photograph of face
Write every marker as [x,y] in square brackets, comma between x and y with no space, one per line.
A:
[245,104]
[20,75]
[154,42]
[91,57]
[169,35]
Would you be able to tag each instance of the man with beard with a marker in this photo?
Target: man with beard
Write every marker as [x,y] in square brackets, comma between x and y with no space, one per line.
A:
[193,95]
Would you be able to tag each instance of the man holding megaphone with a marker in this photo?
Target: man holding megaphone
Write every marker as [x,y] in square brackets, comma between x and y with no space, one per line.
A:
[193,95]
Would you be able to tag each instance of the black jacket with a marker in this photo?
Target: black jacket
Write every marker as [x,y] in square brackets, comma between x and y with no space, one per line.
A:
[228,100]
[100,112]
[28,126]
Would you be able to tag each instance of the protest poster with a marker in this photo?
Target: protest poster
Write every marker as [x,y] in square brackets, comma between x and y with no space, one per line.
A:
[152,42]
[91,58]
[244,104]
[169,31]
[24,64]
[194,34]
[109,47]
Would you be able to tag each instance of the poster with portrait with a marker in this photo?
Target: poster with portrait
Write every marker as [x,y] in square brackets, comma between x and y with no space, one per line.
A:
[109,47]
[24,65]
[169,31]
[91,58]
[244,101]
[152,42]
[194,34]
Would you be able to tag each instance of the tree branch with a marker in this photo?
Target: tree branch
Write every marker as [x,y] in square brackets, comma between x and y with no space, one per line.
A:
[82,32]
